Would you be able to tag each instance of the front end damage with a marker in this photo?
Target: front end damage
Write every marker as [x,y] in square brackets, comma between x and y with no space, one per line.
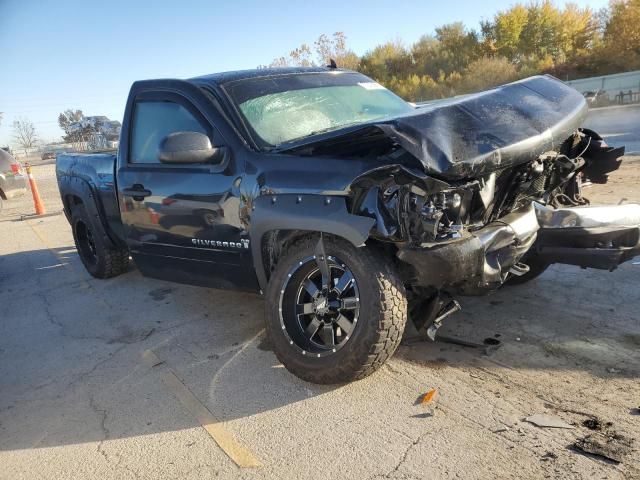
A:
[462,258]
[600,237]
[469,237]
[596,237]
[473,191]
[474,188]
[476,261]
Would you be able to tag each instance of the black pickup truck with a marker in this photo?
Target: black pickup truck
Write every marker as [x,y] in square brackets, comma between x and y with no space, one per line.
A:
[350,209]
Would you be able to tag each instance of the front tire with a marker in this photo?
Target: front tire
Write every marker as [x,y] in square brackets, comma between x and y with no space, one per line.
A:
[100,260]
[343,330]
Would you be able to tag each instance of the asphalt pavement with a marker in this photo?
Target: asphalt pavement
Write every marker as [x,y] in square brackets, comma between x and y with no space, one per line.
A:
[618,126]
[137,378]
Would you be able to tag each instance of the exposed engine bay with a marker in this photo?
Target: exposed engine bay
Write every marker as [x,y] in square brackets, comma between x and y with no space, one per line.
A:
[477,231]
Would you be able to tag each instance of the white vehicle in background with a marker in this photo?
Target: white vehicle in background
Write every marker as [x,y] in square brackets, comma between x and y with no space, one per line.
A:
[13,181]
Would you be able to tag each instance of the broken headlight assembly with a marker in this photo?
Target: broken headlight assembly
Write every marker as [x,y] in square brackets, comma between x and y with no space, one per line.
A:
[440,216]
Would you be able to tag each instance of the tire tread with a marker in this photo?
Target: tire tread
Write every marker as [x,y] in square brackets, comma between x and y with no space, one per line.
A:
[390,322]
[112,261]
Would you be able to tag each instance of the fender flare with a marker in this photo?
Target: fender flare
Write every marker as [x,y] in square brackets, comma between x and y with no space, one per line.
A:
[81,188]
[313,213]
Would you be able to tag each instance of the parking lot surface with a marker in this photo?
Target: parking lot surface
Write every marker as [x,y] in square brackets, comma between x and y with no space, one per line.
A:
[137,378]
[619,125]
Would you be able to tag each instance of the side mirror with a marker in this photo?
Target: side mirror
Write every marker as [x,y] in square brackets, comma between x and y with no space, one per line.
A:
[189,147]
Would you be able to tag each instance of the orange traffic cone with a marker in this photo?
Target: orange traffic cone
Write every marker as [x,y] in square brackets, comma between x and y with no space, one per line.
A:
[154,216]
[37,201]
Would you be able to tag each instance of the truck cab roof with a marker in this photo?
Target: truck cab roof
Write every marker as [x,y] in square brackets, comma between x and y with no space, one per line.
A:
[226,77]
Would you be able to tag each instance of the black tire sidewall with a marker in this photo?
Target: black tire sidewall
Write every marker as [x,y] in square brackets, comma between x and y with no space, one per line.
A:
[97,269]
[347,361]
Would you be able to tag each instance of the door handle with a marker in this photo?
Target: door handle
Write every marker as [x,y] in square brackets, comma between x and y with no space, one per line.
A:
[138,192]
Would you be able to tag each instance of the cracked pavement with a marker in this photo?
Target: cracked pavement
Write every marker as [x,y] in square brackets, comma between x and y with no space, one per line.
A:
[76,400]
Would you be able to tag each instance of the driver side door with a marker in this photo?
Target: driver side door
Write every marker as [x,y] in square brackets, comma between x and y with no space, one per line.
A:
[181,220]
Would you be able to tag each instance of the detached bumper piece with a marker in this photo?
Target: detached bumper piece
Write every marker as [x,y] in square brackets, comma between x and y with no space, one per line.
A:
[479,261]
[594,237]
[589,237]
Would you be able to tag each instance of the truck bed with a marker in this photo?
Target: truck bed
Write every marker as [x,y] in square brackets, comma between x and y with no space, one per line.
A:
[92,175]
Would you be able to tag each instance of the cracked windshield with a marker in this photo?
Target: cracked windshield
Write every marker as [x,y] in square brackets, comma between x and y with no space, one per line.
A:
[287,109]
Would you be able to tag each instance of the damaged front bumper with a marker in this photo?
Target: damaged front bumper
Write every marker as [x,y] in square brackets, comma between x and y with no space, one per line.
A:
[478,261]
[596,237]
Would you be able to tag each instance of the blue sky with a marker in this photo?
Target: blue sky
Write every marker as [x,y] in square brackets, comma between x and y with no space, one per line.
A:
[85,54]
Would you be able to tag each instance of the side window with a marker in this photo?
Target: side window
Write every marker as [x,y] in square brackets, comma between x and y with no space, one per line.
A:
[152,121]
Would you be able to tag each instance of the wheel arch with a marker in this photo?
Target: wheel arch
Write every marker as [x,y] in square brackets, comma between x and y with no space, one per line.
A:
[78,191]
[278,220]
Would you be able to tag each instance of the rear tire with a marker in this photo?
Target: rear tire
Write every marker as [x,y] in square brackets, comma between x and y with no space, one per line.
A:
[100,260]
[365,320]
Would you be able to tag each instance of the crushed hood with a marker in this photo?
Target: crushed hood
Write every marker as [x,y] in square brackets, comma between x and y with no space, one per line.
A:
[472,135]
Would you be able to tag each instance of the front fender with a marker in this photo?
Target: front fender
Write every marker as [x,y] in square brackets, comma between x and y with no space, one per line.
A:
[313,213]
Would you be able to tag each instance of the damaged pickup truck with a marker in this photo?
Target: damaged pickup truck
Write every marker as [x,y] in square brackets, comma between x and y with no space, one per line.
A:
[348,208]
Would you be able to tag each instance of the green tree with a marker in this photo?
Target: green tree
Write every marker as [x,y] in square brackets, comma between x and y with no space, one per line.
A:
[524,40]
[487,72]
[578,30]
[620,48]
[386,61]
[458,47]
[540,36]
[425,53]
[502,36]
[65,120]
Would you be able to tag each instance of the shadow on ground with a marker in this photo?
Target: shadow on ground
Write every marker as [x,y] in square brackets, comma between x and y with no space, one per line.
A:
[70,346]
